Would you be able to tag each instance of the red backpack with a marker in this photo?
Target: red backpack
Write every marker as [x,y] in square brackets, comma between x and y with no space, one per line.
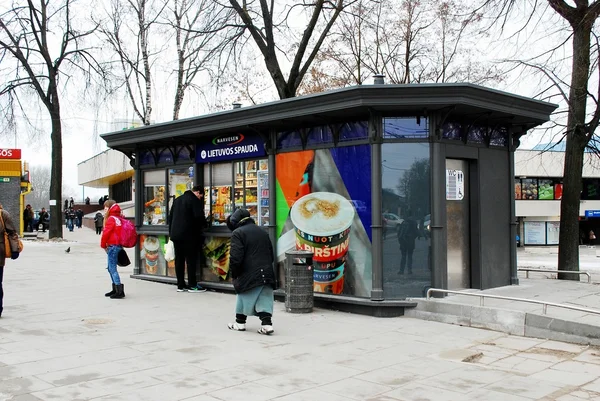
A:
[128,234]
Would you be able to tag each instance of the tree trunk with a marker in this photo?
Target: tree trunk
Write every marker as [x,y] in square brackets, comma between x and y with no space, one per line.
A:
[56,226]
[568,252]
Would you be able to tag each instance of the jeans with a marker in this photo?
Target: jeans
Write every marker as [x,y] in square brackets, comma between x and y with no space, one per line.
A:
[113,252]
[1,290]
[70,224]
[186,252]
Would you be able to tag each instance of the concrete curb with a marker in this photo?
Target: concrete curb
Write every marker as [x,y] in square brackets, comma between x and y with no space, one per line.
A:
[519,323]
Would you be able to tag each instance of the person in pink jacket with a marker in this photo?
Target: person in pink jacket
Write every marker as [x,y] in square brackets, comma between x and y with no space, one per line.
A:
[110,242]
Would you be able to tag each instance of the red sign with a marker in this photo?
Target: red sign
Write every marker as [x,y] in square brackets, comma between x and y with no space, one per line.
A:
[10,153]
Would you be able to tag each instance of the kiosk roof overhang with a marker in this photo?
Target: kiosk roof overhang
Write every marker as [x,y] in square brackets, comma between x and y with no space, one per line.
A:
[353,103]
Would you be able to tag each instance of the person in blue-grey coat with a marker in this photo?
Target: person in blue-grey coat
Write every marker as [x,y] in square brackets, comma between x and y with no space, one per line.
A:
[251,268]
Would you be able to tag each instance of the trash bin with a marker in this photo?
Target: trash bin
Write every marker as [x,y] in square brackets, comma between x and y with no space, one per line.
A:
[299,276]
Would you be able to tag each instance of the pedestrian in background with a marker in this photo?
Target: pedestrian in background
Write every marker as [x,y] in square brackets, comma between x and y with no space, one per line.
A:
[42,219]
[7,225]
[186,228]
[98,222]
[251,268]
[592,237]
[79,216]
[28,219]
[111,243]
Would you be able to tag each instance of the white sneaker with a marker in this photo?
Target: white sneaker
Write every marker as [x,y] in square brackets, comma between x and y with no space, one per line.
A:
[237,326]
[267,330]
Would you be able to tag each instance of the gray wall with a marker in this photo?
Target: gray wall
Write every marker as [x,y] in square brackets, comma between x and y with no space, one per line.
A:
[9,197]
[495,190]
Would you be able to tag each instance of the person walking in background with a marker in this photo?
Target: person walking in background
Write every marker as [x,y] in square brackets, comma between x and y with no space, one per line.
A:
[186,228]
[71,203]
[42,219]
[66,204]
[98,222]
[251,268]
[70,217]
[28,219]
[407,233]
[7,225]
[79,216]
[592,238]
[111,243]
[87,200]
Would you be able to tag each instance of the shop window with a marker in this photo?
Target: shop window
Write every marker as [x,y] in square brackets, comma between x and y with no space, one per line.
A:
[180,180]
[535,232]
[252,189]
[477,134]
[405,127]
[155,208]
[218,179]
[591,189]
[529,188]
[406,218]
[545,189]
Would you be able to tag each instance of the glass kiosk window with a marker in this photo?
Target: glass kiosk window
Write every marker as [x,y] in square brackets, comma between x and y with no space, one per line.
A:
[238,184]
[155,208]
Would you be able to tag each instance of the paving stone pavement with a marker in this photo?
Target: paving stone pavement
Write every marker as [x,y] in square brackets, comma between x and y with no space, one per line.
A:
[61,339]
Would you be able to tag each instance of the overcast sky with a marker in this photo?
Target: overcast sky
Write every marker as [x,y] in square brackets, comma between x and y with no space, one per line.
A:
[84,121]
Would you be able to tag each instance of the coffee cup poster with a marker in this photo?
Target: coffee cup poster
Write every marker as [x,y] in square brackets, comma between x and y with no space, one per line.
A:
[324,206]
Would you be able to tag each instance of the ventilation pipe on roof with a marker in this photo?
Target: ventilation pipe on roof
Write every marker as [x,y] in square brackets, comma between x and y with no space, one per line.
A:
[236,105]
[378,79]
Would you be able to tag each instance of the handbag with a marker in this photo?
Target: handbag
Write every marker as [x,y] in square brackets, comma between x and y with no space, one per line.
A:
[122,258]
[170,251]
[7,248]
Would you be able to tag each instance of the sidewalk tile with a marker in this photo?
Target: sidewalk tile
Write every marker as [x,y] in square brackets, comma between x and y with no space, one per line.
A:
[355,389]
[524,387]
[246,392]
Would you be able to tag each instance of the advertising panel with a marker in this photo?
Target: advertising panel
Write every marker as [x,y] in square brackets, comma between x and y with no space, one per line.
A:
[230,147]
[10,153]
[535,233]
[152,256]
[324,206]
[216,255]
[552,231]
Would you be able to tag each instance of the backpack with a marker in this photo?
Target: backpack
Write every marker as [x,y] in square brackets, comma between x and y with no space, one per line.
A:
[128,233]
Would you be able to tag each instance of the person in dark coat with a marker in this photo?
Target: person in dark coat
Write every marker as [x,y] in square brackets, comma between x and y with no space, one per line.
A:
[408,231]
[251,268]
[99,222]
[79,217]
[42,219]
[7,225]
[186,228]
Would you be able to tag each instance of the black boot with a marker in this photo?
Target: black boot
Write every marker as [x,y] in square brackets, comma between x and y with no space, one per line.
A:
[113,292]
[120,292]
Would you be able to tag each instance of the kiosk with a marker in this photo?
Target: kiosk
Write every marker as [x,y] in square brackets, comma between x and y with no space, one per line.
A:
[394,188]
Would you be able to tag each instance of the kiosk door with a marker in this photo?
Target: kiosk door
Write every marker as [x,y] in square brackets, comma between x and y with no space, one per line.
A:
[458,224]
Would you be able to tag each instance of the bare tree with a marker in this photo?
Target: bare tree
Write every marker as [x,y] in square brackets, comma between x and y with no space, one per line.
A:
[581,123]
[132,21]
[39,176]
[41,41]
[263,22]
[197,27]
[407,40]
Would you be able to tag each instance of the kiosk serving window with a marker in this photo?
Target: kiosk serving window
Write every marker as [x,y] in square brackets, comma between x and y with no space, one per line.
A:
[238,184]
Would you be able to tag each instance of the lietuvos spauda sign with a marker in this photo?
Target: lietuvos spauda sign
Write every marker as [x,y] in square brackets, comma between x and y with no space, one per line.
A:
[230,147]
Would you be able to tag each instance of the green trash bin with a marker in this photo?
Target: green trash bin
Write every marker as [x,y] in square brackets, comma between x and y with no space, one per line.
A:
[299,276]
